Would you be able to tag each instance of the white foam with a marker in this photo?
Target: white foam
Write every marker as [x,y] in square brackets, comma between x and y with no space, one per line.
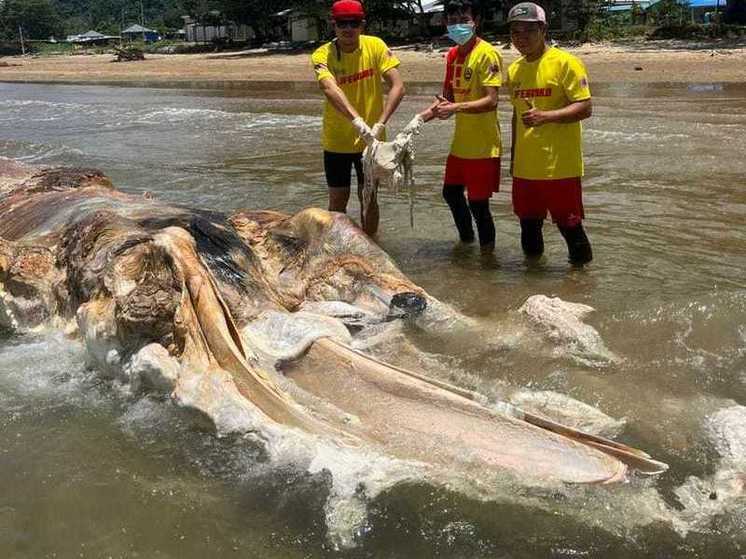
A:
[44,367]
[726,428]
[562,322]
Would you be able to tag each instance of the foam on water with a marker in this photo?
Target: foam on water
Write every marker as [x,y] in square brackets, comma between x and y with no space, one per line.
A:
[47,367]
[622,137]
[658,285]
[34,153]
[51,368]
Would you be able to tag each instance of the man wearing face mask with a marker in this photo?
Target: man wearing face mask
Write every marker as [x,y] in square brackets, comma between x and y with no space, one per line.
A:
[473,76]
[349,70]
[550,95]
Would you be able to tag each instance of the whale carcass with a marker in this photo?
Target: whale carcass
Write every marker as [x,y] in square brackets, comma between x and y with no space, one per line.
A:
[170,298]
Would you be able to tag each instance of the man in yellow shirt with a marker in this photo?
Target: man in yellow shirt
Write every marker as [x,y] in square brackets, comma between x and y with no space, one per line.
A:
[473,76]
[550,96]
[349,70]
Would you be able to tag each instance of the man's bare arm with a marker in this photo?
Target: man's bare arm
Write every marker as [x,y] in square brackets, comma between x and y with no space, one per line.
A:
[396,93]
[337,98]
[484,104]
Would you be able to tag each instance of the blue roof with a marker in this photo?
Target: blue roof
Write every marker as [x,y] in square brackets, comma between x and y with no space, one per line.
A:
[624,6]
[705,3]
[697,3]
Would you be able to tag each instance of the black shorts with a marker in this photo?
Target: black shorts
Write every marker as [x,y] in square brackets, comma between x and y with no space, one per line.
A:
[338,168]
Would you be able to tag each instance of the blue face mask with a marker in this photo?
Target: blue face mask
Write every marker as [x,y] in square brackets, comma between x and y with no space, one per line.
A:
[461,33]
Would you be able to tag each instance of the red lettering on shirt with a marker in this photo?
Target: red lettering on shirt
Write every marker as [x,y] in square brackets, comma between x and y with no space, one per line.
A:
[352,78]
[532,92]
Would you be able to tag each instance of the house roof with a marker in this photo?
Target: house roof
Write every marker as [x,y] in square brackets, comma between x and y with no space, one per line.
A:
[706,3]
[432,6]
[137,28]
[696,3]
[91,35]
[625,5]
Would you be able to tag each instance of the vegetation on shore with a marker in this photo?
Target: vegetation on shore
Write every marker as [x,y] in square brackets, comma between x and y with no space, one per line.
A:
[38,20]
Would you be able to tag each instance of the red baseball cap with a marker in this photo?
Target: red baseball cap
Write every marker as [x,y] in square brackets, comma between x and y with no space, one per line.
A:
[351,9]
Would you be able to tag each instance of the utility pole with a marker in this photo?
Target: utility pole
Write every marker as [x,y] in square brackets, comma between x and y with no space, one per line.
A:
[23,47]
[142,16]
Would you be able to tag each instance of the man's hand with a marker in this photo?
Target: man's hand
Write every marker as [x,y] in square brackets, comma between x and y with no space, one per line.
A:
[444,108]
[534,117]
[429,113]
[363,130]
[378,130]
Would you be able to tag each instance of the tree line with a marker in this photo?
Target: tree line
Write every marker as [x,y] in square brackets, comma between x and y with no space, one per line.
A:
[42,19]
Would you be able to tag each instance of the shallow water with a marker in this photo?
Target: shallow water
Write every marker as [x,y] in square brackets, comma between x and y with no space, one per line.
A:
[87,471]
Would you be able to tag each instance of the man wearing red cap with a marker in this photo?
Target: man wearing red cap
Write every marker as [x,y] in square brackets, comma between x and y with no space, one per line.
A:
[349,70]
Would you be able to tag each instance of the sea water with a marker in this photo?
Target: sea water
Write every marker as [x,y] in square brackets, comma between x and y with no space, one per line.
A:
[88,470]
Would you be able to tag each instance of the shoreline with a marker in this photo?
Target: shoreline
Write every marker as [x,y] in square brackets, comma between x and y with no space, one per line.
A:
[309,89]
[614,63]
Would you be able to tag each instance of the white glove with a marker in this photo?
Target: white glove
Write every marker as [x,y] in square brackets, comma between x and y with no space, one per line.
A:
[363,130]
[378,130]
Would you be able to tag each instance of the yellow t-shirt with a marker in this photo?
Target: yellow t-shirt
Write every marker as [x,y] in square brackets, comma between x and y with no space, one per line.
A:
[358,74]
[477,136]
[549,151]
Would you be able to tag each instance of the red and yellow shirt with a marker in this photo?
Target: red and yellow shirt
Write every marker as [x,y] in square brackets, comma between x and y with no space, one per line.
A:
[477,135]
[359,75]
[549,151]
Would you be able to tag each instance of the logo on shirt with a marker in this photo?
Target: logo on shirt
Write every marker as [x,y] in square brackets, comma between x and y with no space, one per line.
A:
[352,78]
[494,69]
[320,67]
[467,74]
[532,92]
[583,82]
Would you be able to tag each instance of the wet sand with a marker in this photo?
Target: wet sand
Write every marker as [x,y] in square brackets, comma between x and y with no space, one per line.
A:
[638,61]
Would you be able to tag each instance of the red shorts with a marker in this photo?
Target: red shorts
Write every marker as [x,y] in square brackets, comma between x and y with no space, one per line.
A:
[561,197]
[481,177]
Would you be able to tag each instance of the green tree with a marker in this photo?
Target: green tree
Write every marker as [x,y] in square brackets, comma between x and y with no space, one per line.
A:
[583,12]
[38,19]
[669,13]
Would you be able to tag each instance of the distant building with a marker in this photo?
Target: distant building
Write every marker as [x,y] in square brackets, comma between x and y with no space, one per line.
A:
[297,25]
[197,32]
[136,32]
[91,38]
[700,11]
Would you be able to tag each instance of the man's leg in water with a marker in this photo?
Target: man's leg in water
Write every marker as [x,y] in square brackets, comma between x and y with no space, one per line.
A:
[480,209]
[454,186]
[532,238]
[338,170]
[578,246]
[566,206]
[482,177]
[456,200]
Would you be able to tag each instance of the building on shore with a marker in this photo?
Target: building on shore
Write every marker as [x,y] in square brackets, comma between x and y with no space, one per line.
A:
[92,38]
[136,32]
[202,32]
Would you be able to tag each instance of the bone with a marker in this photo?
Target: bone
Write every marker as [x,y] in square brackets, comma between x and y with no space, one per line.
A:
[568,411]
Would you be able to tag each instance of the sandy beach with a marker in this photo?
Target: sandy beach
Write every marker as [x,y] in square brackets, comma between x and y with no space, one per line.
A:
[636,62]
